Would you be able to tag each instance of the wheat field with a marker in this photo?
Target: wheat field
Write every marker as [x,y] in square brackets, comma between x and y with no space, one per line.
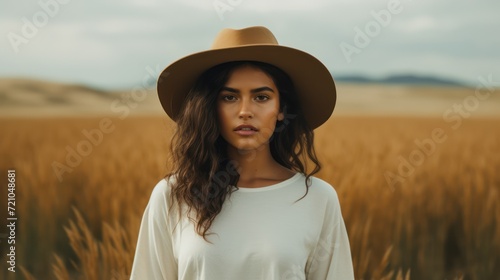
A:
[420,196]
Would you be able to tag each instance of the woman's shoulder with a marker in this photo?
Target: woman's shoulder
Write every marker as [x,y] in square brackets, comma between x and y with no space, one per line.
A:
[325,197]
[164,185]
[320,192]
[161,191]
[321,186]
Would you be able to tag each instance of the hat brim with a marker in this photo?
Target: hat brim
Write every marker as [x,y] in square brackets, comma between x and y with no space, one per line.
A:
[313,82]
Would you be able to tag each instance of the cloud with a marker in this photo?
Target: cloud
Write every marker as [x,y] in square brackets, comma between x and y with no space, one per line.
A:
[109,43]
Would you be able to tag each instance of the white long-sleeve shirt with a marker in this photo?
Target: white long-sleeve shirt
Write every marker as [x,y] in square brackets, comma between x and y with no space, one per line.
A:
[260,234]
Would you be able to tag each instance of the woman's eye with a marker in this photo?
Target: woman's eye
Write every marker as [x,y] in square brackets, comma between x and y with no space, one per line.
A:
[262,97]
[228,98]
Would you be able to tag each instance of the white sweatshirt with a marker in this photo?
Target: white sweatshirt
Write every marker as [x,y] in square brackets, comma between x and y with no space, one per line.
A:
[260,234]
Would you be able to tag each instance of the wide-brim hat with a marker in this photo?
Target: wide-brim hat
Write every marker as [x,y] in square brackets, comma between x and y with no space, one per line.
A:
[313,82]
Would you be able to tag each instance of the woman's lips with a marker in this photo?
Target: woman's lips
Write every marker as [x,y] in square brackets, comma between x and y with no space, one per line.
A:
[245,130]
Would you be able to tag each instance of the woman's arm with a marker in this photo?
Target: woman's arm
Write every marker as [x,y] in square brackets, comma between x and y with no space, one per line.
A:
[331,259]
[154,258]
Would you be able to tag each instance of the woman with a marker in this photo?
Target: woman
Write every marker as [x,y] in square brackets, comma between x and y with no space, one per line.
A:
[239,203]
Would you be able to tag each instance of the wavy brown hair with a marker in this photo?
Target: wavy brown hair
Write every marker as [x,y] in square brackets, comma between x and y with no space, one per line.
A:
[203,174]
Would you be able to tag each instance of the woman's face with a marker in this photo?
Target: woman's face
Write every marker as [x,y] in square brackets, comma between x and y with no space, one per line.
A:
[248,108]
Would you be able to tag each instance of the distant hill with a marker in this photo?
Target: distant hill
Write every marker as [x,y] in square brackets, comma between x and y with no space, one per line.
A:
[407,79]
[356,95]
[30,97]
[30,92]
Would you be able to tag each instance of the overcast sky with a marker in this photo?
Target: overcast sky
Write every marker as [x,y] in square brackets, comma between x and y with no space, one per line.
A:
[112,44]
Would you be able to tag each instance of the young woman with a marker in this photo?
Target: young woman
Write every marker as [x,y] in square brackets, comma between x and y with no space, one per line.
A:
[240,203]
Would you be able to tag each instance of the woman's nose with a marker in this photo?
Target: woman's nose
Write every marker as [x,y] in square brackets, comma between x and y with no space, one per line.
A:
[246,111]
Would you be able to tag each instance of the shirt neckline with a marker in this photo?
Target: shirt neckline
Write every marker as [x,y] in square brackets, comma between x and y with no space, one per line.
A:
[273,186]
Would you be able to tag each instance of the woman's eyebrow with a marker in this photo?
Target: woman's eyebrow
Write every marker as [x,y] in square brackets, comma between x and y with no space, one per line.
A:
[256,90]
[261,89]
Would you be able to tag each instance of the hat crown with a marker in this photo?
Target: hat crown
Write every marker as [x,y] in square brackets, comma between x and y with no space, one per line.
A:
[256,35]
[313,82]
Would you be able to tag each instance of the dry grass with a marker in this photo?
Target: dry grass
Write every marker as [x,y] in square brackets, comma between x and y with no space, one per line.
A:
[439,221]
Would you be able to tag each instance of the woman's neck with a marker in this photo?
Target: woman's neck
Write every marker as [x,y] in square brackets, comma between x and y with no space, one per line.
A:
[258,167]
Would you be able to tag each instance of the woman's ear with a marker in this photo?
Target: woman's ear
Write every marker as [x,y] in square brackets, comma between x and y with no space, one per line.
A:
[281,116]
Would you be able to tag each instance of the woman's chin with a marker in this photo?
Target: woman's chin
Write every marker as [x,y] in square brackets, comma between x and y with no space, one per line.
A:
[248,147]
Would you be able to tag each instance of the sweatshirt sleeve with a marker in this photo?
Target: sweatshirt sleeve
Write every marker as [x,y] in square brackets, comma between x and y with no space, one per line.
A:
[154,258]
[331,259]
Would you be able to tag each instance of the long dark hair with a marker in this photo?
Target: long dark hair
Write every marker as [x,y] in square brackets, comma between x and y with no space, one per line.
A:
[203,174]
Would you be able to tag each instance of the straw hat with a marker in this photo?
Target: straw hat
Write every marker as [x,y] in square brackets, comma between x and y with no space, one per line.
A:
[312,80]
